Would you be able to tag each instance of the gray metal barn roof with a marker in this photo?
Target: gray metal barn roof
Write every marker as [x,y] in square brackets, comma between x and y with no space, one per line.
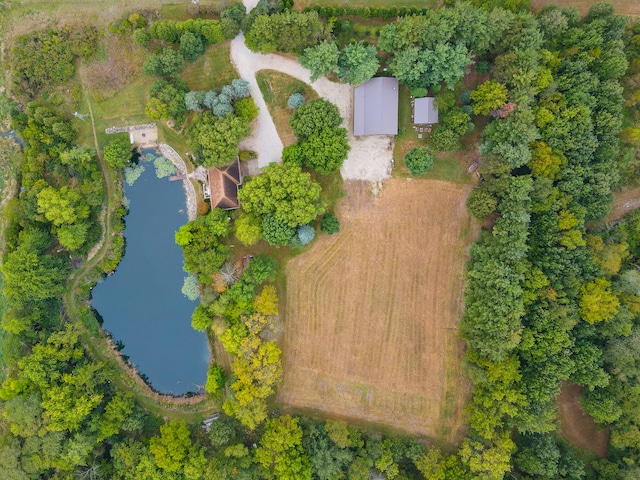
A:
[375,107]
[424,111]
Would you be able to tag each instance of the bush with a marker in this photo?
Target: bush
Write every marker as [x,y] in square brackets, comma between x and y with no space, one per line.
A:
[292,155]
[306,233]
[295,101]
[330,224]
[247,155]
[418,160]
[445,140]
[419,92]
[246,108]
[140,36]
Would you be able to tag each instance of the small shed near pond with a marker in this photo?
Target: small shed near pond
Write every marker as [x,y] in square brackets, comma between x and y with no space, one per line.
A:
[425,111]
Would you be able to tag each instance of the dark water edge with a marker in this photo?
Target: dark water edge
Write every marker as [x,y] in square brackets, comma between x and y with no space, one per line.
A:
[141,304]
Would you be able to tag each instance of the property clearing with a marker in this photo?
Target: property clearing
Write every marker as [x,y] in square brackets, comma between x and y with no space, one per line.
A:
[372,312]
[576,426]
[624,7]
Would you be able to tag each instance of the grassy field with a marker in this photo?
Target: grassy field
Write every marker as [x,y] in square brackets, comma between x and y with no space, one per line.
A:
[276,88]
[212,70]
[372,312]
[626,7]
[577,427]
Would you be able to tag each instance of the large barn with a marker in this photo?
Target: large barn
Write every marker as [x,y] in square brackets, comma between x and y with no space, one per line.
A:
[375,107]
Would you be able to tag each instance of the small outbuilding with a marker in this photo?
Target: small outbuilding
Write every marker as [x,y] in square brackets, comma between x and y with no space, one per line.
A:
[223,186]
[375,107]
[425,111]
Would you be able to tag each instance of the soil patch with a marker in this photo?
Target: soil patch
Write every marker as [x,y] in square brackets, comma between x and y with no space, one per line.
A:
[372,312]
[576,426]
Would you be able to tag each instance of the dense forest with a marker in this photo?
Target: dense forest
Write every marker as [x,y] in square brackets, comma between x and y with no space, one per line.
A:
[552,293]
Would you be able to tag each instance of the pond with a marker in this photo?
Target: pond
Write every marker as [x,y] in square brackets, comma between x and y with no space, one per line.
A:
[142,304]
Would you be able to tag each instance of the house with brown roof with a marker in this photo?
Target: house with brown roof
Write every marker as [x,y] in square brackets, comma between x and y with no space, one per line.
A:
[223,186]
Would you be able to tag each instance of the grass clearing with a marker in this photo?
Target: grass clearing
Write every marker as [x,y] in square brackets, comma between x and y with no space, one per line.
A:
[450,167]
[372,312]
[211,71]
[276,88]
[577,427]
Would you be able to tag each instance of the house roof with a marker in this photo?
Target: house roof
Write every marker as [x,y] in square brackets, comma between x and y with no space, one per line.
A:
[223,186]
[425,111]
[375,107]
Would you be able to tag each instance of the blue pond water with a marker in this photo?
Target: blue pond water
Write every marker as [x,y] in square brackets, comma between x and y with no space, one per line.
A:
[141,303]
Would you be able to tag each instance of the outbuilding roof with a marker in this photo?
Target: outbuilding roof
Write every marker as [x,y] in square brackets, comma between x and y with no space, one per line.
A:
[424,111]
[375,107]
[223,186]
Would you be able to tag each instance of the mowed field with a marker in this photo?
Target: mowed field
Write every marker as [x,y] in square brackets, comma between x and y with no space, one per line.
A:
[372,312]
[624,7]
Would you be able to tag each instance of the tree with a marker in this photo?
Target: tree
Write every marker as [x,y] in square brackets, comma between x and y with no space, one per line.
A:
[248,229]
[325,151]
[215,379]
[276,232]
[64,206]
[141,37]
[201,318]
[215,140]
[167,63]
[321,59]
[481,203]
[117,153]
[306,233]
[314,117]
[597,302]
[418,160]
[289,31]
[194,101]
[330,224]
[280,451]
[358,63]
[488,96]
[171,447]
[191,46]
[284,191]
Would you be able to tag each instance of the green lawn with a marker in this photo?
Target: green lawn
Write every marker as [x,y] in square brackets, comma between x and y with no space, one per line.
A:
[276,88]
[451,167]
[212,70]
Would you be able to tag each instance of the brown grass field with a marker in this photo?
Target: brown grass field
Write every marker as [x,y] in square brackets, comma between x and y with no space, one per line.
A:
[576,426]
[624,7]
[372,312]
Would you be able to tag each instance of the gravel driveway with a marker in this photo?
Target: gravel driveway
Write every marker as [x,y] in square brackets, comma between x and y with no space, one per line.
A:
[370,158]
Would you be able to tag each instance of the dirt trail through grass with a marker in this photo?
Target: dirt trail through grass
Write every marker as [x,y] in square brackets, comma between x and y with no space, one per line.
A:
[372,312]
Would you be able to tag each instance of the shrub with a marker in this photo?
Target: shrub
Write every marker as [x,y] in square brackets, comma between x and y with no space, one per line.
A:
[295,101]
[247,155]
[292,155]
[419,92]
[246,108]
[306,233]
[276,232]
[445,140]
[330,224]
[418,160]
[140,36]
